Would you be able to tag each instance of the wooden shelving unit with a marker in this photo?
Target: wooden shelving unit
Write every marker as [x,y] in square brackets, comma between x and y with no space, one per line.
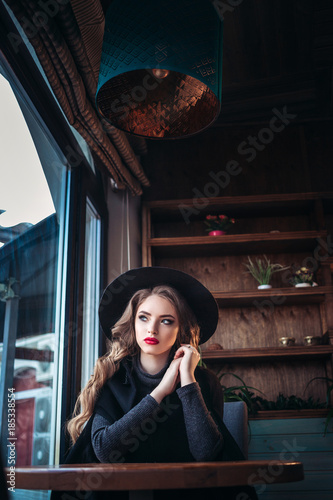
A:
[301,352]
[289,295]
[173,236]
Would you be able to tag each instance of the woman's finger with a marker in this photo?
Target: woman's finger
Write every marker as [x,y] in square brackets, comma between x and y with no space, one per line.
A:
[179,353]
[185,349]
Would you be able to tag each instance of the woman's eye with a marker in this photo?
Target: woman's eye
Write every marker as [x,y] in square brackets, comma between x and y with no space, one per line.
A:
[143,318]
[167,321]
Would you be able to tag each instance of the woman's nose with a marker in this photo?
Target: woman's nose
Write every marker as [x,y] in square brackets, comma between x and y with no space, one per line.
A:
[153,330]
[153,326]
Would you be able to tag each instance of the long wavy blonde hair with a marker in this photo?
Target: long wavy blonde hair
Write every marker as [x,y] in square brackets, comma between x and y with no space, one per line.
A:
[124,344]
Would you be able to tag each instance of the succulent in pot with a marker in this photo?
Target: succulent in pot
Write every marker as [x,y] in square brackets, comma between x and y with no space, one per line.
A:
[301,277]
[262,270]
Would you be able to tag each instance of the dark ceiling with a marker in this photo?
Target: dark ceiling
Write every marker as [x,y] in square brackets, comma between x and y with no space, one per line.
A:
[277,52]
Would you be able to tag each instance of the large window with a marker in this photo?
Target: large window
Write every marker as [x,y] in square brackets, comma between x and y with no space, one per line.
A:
[33,197]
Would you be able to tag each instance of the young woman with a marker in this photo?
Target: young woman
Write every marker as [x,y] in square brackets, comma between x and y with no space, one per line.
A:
[148,400]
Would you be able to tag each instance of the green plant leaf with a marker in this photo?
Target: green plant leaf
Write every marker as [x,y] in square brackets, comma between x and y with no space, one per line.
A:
[244,393]
[262,269]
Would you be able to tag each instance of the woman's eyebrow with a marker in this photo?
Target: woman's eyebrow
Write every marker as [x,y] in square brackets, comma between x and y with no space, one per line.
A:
[144,312]
[162,315]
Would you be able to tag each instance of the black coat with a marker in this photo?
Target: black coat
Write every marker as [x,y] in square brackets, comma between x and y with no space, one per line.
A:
[162,440]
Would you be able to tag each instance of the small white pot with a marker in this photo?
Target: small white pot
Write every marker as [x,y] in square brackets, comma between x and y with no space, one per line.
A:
[302,285]
[264,287]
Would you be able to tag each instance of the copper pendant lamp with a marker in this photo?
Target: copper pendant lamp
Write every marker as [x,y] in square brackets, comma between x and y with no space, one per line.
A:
[161,67]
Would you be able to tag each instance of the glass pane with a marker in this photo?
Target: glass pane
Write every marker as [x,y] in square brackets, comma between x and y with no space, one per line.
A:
[90,328]
[25,198]
[32,195]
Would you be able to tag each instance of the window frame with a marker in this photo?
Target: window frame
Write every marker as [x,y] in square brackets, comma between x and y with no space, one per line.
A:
[82,184]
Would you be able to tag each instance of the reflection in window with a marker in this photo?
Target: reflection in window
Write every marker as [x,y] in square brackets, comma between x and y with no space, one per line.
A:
[32,259]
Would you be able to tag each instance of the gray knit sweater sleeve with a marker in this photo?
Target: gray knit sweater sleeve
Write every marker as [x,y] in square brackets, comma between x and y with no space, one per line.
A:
[204,437]
[112,442]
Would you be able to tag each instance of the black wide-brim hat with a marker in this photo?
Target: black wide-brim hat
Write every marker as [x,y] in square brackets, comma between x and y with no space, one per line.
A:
[119,292]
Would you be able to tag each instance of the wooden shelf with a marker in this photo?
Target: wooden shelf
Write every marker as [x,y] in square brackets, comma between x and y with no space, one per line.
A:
[292,295]
[264,353]
[272,203]
[283,414]
[236,243]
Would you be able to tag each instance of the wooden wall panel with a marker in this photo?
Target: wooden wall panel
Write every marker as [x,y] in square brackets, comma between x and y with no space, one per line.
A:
[228,273]
[319,151]
[329,224]
[250,327]
[181,168]
[287,377]
[298,159]
[295,439]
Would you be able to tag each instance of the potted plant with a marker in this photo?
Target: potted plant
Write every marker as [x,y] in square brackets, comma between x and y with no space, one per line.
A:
[262,270]
[238,392]
[288,403]
[218,224]
[302,277]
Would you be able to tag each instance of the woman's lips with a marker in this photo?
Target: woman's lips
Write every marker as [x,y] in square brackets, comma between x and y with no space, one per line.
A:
[152,341]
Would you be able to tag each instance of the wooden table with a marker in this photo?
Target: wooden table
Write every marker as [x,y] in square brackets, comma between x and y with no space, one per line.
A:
[146,477]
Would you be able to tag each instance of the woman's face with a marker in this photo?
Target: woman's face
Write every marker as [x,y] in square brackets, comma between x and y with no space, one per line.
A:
[156,325]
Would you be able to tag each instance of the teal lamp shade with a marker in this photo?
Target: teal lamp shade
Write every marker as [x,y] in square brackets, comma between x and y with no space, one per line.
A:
[161,67]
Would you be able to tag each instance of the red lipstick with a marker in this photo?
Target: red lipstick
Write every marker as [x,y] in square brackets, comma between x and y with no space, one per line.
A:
[151,341]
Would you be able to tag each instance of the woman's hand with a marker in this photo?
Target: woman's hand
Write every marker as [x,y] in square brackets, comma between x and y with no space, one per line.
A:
[189,357]
[169,381]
